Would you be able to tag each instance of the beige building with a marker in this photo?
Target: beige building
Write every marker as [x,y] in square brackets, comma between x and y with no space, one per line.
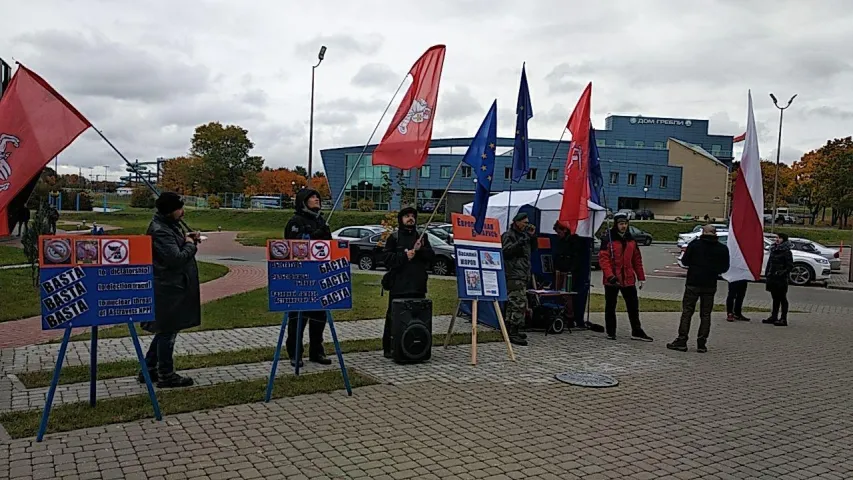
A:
[704,184]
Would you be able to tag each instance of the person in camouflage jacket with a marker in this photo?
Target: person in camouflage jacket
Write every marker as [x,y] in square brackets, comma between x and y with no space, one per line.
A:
[518,243]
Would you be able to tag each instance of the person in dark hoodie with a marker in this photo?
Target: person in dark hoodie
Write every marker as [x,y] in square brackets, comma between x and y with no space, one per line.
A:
[408,258]
[706,259]
[307,224]
[778,270]
[518,243]
[622,269]
[177,295]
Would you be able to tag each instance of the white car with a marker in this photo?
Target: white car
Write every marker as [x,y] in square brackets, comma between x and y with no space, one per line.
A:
[809,246]
[355,233]
[685,238]
[808,267]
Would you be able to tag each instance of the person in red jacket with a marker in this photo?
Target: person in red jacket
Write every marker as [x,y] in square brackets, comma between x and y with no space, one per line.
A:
[622,269]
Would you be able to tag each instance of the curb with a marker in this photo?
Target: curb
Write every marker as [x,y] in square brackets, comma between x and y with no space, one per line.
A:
[840,287]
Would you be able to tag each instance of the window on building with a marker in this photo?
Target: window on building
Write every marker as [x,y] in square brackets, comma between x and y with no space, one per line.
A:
[407,173]
[663,181]
[640,144]
[425,171]
[632,179]
[601,142]
[365,183]
[507,173]
[614,178]
[716,149]
[648,182]
[531,174]
[660,145]
[466,171]
[620,143]
[553,175]
[445,171]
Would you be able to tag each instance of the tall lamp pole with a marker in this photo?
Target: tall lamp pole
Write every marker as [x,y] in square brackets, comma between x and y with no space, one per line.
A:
[778,156]
[311,119]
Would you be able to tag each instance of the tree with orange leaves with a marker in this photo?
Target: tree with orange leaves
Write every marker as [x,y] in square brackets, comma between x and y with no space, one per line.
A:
[180,175]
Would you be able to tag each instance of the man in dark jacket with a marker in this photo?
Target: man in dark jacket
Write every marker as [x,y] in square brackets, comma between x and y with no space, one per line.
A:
[408,257]
[307,224]
[706,259]
[518,243]
[177,296]
[622,271]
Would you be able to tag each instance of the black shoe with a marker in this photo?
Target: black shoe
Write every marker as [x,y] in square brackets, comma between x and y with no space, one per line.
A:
[781,323]
[389,354]
[769,320]
[701,348]
[741,318]
[151,373]
[521,335]
[611,337]
[641,336]
[580,327]
[293,363]
[320,359]
[677,345]
[175,381]
[516,340]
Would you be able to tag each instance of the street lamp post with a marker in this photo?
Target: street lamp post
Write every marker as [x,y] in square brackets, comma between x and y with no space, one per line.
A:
[645,197]
[778,156]
[311,119]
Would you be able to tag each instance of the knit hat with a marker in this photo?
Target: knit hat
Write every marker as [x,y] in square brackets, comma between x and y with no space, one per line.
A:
[520,216]
[620,217]
[168,202]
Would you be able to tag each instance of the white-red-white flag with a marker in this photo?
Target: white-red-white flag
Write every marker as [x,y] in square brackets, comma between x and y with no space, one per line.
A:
[746,228]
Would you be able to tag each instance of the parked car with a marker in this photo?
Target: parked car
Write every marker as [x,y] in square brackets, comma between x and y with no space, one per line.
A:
[685,238]
[808,267]
[645,214]
[809,246]
[628,212]
[354,233]
[366,253]
[444,231]
[641,236]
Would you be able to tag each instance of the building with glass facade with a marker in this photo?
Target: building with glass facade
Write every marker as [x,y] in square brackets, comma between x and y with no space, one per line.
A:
[661,164]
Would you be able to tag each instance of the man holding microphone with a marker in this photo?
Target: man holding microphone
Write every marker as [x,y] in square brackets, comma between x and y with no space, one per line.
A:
[518,243]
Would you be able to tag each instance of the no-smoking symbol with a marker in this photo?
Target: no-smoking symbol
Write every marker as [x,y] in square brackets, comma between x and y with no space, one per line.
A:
[320,250]
[115,252]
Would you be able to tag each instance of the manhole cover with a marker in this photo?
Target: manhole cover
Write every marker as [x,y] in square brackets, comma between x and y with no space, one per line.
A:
[586,379]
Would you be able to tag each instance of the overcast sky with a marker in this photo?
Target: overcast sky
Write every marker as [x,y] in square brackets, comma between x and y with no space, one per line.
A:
[147,72]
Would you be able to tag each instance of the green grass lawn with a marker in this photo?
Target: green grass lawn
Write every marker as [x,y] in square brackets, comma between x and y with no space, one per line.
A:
[12,256]
[665,231]
[75,416]
[25,302]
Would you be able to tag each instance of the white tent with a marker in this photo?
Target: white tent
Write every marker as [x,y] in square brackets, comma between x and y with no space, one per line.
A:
[549,205]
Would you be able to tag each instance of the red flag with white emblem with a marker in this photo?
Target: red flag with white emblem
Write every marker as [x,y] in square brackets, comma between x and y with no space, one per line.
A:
[575,205]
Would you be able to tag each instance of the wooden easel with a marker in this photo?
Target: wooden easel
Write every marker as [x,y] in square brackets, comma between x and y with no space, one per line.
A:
[474,304]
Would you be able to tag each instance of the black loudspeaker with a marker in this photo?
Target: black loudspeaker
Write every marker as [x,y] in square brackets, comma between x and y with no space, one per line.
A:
[412,329]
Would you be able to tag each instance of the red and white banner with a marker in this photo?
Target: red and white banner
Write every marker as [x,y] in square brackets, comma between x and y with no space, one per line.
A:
[746,229]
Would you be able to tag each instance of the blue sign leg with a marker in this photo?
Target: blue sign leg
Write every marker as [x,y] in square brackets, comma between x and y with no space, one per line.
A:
[276,358]
[338,352]
[298,353]
[53,383]
[144,367]
[93,368]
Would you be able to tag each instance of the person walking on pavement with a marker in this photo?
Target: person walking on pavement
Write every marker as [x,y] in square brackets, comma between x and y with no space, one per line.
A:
[734,301]
[307,224]
[177,294]
[518,243]
[408,257]
[622,269]
[778,270]
[706,259]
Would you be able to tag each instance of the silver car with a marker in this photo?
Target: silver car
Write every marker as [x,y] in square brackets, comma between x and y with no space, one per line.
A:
[810,246]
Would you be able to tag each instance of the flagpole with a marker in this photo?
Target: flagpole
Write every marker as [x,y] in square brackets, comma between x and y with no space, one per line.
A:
[545,177]
[361,155]
[509,203]
[438,205]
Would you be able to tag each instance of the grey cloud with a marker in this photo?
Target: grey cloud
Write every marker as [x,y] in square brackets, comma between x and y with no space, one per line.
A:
[458,103]
[789,154]
[354,105]
[560,78]
[334,117]
[341,44]
[255,96]
[98,66]
[375,75]
[720,123]
[832,112]
[200,111]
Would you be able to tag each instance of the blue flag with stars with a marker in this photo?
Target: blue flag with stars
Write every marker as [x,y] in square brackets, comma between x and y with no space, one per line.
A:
[481,157]
[524,112]
[596,181]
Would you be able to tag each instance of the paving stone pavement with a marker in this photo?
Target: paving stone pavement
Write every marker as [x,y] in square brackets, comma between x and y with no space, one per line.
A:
[765,403]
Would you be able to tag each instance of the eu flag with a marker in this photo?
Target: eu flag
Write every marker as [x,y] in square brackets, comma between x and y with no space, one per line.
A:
[524,112]
[481,157]
[596,181]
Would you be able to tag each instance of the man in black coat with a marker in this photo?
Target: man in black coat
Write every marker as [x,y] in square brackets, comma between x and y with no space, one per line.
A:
[408,258]
[706,259]
[307,224]
[177,296]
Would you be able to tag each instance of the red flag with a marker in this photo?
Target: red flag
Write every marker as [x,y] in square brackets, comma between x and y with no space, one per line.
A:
[739,138]
[406,143]
[36,124]
[576,181]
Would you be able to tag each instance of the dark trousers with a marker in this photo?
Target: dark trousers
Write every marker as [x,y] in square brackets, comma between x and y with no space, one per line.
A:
[160,356]
[705,297]
[632,305]
[779,293]
[387,339]
[734,299]
[316,325]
